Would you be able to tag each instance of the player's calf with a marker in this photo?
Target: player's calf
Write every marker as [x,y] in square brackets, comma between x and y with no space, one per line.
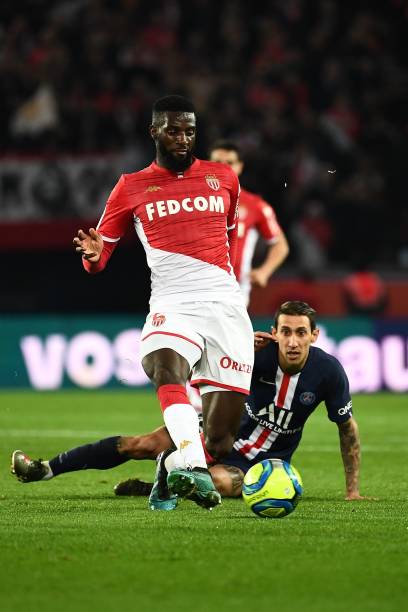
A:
[147,446]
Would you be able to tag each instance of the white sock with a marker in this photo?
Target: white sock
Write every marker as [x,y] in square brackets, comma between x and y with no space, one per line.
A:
[182,423]
[174,462]
[49,473]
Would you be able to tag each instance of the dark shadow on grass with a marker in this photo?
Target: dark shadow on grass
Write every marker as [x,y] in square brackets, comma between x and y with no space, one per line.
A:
[243,517]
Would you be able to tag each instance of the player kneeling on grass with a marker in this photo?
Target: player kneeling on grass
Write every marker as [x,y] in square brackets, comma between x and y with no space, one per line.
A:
[290,379]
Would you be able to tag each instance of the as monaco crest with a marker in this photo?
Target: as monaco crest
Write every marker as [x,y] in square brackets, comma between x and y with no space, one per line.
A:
[158,319]
[212,182]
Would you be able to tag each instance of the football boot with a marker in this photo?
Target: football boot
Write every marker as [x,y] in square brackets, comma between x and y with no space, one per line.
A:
[133,487]
[27,469]
[205,494]
[160,497]
[196,485]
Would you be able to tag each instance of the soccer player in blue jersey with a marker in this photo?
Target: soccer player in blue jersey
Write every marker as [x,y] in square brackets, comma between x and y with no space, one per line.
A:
[290,379]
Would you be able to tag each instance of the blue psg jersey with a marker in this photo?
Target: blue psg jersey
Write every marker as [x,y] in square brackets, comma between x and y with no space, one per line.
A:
[280,404]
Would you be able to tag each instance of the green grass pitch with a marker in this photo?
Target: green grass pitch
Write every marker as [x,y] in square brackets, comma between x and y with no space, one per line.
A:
[70,545]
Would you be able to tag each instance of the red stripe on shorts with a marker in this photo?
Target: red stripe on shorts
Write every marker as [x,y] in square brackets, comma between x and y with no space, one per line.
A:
[205,381]
[171,334]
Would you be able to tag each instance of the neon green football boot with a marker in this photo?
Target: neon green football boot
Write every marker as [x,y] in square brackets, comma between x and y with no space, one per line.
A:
[181,482]
[196,485]
[205,493]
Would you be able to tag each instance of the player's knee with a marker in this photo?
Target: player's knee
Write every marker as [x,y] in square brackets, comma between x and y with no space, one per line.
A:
[219,447]
[161,374]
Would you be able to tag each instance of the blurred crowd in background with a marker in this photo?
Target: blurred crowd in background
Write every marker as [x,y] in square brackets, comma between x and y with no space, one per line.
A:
[314,93]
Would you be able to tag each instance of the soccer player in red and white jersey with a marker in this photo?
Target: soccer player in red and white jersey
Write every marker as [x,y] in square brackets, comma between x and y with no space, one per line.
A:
[256,218]
[184,211]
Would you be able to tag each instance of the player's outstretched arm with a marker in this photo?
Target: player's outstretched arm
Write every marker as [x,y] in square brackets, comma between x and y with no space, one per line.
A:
[351,455]
[350,452]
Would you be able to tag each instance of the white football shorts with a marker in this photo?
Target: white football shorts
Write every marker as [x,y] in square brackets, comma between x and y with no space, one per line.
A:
[216,339]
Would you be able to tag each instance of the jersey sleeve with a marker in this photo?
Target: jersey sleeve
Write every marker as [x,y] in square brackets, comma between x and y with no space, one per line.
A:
[233,210]
[112,225]
[232,225]
[117,216]
[338,400]
[267,224]
[94,268]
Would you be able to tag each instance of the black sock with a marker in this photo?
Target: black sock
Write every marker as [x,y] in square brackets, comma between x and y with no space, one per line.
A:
[101,455]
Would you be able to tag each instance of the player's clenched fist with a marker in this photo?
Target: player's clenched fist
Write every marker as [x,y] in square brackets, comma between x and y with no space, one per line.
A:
[90,245]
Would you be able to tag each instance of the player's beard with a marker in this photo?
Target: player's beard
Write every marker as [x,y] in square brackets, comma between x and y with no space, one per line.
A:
[171,162]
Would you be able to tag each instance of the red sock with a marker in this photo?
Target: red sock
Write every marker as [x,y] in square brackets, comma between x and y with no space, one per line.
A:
[172,394]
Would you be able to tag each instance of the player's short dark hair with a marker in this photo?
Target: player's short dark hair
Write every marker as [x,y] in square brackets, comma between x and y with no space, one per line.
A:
[227,145]
[296,308]
[174,103]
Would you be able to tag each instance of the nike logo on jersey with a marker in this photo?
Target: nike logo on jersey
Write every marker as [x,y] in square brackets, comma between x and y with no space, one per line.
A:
[267,382]
[162,208]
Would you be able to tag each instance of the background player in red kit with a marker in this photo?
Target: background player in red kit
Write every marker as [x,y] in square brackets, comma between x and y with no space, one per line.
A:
[184,211]
[256,218]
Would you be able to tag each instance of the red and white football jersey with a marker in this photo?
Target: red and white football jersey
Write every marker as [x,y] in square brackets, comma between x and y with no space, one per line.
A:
[182,220]
[255,218]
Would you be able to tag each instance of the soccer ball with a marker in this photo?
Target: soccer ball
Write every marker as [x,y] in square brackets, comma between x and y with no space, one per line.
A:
[272,488]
